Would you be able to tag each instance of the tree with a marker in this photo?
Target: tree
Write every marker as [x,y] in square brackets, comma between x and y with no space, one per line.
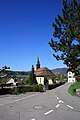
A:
[67,31]
[3,74]
[32,77]
[3,71]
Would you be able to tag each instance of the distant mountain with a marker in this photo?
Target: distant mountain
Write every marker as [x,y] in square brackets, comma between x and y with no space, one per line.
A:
[62,71]
[9,72]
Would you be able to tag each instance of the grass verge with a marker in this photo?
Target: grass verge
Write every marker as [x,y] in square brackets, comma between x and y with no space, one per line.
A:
[73,87]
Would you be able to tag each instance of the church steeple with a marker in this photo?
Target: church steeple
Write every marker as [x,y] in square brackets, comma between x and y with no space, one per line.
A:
[38,64]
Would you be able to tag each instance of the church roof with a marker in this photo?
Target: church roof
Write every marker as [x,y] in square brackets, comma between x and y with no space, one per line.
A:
[43,72]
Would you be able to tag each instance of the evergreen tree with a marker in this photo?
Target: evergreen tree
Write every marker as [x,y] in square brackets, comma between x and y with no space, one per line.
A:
[67,31]
[32,77]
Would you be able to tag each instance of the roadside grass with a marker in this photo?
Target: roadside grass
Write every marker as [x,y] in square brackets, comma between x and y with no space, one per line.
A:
[73,87]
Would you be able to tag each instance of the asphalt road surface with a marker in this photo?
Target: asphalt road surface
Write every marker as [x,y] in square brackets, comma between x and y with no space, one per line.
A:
[54,104]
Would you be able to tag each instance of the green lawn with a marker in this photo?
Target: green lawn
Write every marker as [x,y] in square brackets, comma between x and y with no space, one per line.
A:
[73,87]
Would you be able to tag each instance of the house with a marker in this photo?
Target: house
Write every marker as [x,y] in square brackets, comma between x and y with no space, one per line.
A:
[43,75]
[71,76]
[12,81]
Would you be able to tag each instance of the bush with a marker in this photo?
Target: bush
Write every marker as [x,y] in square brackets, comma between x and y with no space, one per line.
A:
[5,91]
[35,88]
[50,87]
[24,89]
[15,90]
[73,87]
[78,78]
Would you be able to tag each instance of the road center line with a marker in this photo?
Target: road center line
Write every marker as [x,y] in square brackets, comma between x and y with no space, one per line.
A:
[57,98]
[60,101]
[70,106]
[17,100]
[1,104]
[57,105]
[48,112]
[33,119]
[55,95]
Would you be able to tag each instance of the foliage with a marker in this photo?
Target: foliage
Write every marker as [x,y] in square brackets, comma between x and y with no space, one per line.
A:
[67,31]
[55,85]
[24,89]
[35,88]
[32,79]
[73,87]
[78,78]
[21,89]
[5,91]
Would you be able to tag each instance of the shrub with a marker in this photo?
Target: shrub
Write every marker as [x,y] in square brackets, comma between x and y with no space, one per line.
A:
[73,87]
[21,89]
[35,88]
[78,78]
[15,90]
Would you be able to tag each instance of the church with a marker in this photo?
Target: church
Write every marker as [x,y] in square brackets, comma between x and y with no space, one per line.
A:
[43,75]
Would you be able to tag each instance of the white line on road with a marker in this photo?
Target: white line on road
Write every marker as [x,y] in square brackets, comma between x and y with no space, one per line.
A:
[19,99]
[25,97]
[57,105]
[48,112]
[57,98]
[33,119]
[1,104]
[55,95]
[70,106]
[60,101]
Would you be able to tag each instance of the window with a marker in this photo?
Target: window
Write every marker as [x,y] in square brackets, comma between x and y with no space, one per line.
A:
[40,80]
[69,76]
[69,73]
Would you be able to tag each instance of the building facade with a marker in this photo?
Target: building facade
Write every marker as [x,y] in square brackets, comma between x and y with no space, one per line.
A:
[43,75]
[71,78]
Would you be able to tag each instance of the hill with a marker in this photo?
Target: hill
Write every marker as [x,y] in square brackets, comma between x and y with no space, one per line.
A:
[62,71]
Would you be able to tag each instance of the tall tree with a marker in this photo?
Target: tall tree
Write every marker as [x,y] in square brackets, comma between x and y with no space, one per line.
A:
[32,77]
[3,71]
[67,31]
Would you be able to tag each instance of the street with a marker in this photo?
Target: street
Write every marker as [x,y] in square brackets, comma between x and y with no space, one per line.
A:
[56,104]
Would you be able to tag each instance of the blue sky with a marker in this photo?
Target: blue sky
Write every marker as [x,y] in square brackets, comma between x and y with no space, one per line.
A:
[25,30]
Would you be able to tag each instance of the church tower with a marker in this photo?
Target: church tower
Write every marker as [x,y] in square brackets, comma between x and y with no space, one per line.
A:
[38,64]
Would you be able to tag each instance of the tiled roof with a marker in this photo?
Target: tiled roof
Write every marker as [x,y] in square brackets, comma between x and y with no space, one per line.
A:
[43,72]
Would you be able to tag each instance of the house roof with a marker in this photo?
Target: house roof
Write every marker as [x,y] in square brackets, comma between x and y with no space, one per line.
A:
[43,72]
[9,79]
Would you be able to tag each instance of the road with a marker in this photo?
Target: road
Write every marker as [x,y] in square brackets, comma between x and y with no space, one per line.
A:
[54,104]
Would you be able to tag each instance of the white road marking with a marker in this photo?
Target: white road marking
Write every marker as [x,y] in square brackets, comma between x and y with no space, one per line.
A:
[60,101]
[1,104]
[25,97]
[57,98]
[55,95]
[57,105]
[33,119]
[48,112]
[70,106]
[19,99]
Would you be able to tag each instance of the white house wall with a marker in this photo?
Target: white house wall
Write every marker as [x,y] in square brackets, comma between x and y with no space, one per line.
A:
[40,80]
[71,77]
[50,82]
[11,81]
